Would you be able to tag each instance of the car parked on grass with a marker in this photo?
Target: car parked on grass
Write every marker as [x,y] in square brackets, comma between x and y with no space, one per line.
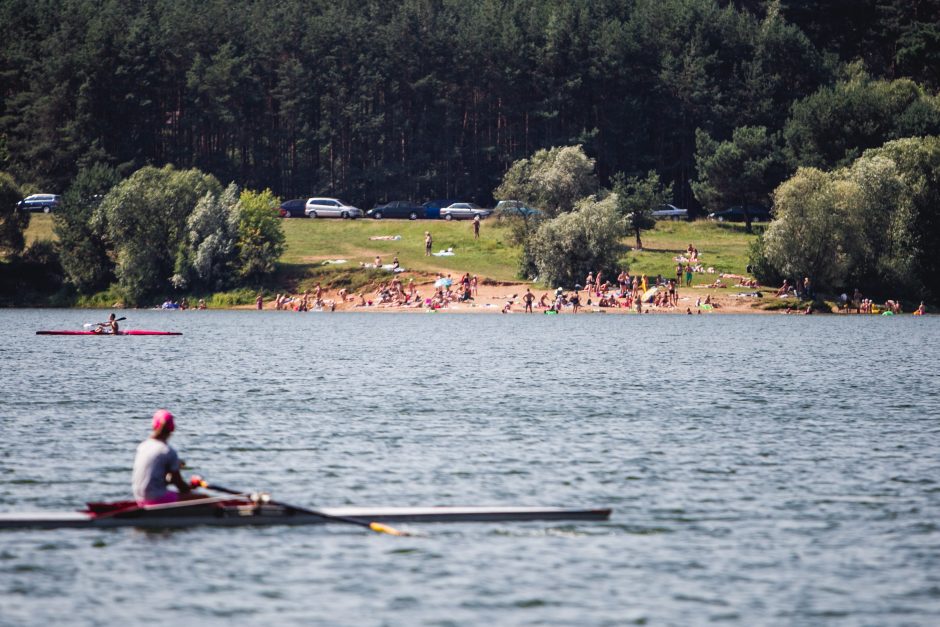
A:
[758,213]
[294,208]
[464,211]
[330,208]
[670,212]
[432,208]
[509,208]
[46,203]
[397,209]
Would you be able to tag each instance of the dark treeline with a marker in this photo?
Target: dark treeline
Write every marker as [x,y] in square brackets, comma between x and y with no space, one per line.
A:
[374,99]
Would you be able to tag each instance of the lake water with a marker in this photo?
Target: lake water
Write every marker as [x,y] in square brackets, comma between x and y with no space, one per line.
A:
[762,469]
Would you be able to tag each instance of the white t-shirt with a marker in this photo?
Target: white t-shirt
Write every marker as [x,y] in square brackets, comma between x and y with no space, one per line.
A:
[154,460]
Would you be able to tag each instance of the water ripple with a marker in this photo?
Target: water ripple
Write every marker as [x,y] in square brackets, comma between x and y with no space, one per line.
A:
[763,470]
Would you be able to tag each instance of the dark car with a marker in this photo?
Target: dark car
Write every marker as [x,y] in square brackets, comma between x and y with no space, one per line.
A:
[759,213]
[432,208]
[294,208]
[46,203]
[397,209]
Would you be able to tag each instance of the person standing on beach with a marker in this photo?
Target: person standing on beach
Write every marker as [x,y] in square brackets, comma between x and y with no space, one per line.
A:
[259,302]
[527,299]
[688,275]
[427,243]
[476,226]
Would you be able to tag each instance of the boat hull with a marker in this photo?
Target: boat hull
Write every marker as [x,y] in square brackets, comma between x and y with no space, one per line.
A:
[163,517]
[130,332]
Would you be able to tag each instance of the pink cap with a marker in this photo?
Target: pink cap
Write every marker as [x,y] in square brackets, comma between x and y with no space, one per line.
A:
[162,419]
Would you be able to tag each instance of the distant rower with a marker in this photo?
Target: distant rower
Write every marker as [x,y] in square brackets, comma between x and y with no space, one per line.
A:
[157,465]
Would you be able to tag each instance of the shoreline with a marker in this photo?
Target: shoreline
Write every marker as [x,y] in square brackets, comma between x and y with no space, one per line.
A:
[491,299]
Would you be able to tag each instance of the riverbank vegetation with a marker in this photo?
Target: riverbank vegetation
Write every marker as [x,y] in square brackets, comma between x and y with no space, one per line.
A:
[598,107]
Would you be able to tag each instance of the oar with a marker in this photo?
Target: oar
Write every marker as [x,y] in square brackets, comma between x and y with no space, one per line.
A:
[196,481]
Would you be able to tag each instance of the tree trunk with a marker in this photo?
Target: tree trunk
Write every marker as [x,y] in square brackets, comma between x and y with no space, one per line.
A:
[639,244]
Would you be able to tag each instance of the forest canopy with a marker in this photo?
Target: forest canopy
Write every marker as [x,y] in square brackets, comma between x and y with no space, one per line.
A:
[431,98]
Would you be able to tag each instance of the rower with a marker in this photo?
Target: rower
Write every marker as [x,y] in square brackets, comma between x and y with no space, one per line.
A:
[111,325]
[157,465]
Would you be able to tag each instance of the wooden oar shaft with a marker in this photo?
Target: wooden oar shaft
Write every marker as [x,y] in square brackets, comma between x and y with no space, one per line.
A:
[374,526]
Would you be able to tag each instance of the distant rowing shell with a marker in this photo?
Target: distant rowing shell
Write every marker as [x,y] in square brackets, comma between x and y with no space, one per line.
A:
[131,332]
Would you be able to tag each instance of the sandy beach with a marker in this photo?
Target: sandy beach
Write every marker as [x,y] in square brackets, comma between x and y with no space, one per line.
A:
[492,297]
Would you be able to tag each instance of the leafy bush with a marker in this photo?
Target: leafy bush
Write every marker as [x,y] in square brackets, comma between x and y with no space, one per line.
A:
[13,221]
[144,219]
[83,249]
[261,240]
[551,180]
[760,266]
[207,257]
[872,224]
[566,248]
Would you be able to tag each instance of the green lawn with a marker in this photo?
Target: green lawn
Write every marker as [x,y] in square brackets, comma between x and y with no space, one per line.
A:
[310,242]
[40,227]
[313,241]
[720,245]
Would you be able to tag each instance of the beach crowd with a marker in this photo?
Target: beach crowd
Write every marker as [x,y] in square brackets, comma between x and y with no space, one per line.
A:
[625,292]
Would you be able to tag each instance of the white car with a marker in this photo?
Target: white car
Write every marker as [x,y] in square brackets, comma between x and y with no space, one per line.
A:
[330,208]
[670,212]
[464,211]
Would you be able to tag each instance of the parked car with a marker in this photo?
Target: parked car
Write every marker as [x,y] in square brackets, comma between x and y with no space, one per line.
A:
[432,208]
[759,213]
[330,208]
[670,212]
[294,208]
[46,203]
[464,211]
[515,208]
[397,209]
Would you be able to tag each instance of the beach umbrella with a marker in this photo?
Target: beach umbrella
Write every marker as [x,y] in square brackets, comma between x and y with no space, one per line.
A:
[443,282]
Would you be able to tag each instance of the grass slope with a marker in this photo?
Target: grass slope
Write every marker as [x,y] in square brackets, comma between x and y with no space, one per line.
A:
[720,245]
[311,242]
[40,227]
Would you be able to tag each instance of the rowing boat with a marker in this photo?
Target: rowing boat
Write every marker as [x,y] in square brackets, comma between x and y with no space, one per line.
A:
[229,512]
[130,332]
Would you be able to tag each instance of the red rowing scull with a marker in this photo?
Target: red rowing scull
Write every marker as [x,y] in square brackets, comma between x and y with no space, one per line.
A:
[130,332]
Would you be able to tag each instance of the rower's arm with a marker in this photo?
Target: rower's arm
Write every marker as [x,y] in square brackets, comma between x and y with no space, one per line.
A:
[177,479]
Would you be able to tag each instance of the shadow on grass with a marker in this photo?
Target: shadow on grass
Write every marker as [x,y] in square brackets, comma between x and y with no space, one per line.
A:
[757,228]
[297,277]
[649,249]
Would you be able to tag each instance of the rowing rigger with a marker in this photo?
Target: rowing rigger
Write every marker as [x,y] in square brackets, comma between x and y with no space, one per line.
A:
[229,512]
